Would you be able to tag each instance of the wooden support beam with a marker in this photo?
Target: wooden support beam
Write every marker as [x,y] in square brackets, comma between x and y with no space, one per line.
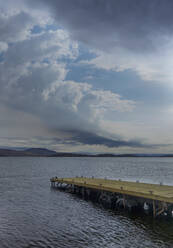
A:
[160,210]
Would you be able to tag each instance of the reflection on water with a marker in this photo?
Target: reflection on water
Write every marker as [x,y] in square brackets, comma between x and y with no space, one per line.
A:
[33,215]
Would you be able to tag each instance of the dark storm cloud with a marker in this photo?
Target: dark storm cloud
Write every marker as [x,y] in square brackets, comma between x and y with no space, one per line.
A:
[88,138]
[131,24]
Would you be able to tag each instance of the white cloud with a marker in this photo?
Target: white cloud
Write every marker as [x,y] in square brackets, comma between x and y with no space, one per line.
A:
[155,66]
[35,62]
[17,20]
[3,47]
[33,72]
[83,99]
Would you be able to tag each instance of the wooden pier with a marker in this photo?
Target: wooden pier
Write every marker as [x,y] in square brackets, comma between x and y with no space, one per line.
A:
[151,198]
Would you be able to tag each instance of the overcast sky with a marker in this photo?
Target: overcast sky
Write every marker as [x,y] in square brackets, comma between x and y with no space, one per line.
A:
[87,76]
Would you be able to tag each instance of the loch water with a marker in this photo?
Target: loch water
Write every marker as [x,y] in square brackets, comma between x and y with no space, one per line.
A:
[34,215]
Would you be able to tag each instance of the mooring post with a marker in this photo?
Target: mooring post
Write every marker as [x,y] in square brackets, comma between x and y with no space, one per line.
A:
[154,209]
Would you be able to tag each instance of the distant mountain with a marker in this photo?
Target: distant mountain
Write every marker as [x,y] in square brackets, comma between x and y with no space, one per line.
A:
[42,152]
[27,152]
[8,152]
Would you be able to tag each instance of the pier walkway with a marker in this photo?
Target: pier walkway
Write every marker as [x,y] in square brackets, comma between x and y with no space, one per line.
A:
[160,195]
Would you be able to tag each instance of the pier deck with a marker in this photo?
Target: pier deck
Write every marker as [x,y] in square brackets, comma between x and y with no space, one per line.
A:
[157,192]
[151,198]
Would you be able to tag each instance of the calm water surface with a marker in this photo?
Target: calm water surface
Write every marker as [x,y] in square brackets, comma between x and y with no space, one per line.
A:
[33,215]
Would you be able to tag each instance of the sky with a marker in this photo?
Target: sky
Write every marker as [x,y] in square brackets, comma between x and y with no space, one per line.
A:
[92,76]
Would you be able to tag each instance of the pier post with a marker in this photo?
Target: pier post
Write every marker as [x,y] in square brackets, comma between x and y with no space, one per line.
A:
[154,209]
[124,203]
